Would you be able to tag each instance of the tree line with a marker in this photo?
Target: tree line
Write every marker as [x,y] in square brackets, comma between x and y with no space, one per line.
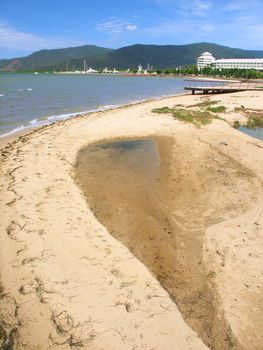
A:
[208,71]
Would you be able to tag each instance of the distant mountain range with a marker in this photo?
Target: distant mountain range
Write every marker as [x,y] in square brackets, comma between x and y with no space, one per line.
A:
[158,56]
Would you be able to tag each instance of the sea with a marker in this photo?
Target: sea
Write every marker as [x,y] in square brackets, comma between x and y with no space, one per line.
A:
[30,100]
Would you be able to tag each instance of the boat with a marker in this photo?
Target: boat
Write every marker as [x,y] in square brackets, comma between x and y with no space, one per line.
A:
[90,70]
[105,70]
[139,71]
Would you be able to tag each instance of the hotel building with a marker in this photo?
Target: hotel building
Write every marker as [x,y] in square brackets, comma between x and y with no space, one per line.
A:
[239,63]
[207,59]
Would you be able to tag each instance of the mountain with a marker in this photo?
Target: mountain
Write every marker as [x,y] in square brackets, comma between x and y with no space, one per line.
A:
[49,58]
[158,56]
[169,56]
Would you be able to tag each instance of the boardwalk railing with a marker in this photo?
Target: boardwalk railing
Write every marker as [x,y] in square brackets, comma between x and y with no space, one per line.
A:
[212,85]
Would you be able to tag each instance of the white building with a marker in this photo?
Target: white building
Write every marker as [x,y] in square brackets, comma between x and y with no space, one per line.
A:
[206,59]
[239,63]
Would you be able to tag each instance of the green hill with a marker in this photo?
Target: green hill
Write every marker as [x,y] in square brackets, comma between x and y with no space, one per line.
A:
[169,56]
[49,58]
[158,56]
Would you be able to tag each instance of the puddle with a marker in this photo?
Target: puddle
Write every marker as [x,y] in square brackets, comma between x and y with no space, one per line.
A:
[256,132]
[124,180]
[149,198]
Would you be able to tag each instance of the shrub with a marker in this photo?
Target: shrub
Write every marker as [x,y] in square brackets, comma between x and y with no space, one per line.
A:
[186,115]
[219,109]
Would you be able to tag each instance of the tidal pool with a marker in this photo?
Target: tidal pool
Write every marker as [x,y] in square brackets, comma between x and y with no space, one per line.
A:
[153,195]
[255,132]
[124,182]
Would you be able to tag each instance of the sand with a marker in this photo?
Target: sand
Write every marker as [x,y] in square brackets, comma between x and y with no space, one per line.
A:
[67,283]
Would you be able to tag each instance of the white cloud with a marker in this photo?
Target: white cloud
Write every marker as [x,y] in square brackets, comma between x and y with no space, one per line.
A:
[208,27]
[194,7]
[115,25]
[241,5]
[112,26]
[131,27]
[11,38]
[201,6]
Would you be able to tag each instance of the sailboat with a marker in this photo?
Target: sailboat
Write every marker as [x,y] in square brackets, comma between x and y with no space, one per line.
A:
[139,71]
[90,70]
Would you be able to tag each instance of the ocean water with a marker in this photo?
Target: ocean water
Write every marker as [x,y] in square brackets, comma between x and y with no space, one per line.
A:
[28,100]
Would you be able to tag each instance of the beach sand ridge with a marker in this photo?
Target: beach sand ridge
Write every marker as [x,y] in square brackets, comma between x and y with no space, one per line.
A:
[67,282]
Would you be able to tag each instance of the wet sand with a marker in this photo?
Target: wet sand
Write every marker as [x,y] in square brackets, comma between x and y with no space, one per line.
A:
[184,270]
[142,192]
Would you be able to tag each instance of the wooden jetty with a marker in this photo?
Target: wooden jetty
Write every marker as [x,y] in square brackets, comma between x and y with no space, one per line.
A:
[207,86]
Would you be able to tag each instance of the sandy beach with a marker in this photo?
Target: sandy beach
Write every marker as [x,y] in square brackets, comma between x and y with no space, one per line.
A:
[71,277]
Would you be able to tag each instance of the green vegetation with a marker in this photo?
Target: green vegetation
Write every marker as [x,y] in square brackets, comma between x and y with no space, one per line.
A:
[255,117]
[220,118]
[56,58]
[236,124]
[206,103]
[208,106]
[197,118]
[255,121]
[231,73]
[211,72]
[218,109]
[163,110]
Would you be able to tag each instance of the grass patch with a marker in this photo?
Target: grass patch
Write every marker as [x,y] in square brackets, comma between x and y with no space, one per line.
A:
[220,118]
[218,109]
[205,104]
[236,124]
[197,118]
[163,110]
[255,122]
[255,117]
[210,106]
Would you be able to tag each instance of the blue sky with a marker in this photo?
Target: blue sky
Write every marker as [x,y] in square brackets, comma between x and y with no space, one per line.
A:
[31,25]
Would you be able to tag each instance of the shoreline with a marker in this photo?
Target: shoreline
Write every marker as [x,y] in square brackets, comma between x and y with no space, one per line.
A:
[22,130]
[60,264]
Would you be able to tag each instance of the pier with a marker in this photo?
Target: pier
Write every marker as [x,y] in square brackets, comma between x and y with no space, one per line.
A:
[213,86]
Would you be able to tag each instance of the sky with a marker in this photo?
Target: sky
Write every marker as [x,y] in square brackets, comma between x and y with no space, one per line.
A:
[31,25]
